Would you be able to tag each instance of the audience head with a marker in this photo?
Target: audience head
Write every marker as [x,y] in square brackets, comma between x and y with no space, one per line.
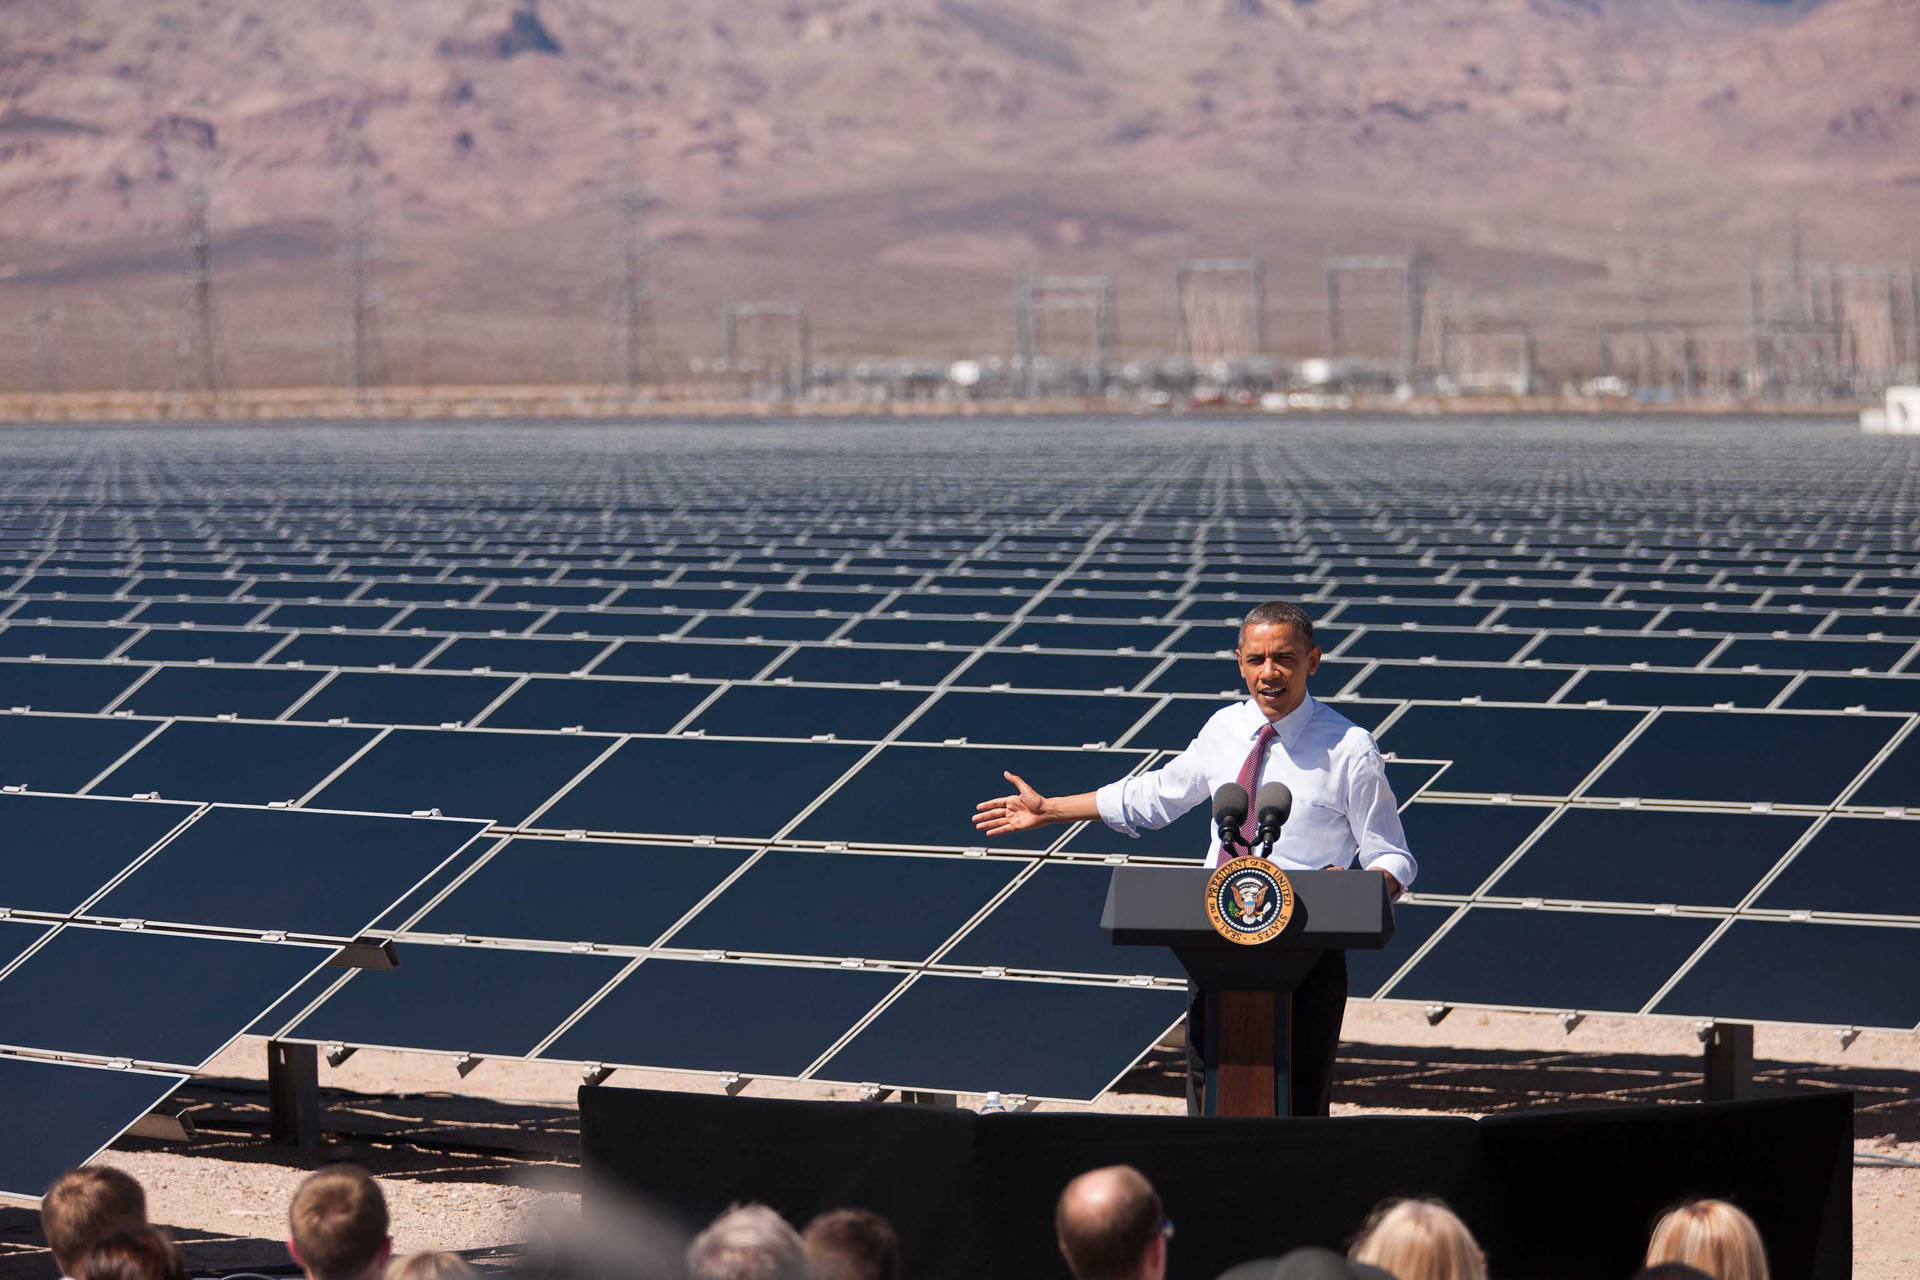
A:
[851,1244]
[1419,1240]
[747,1242]
[1309,1263]
[137,1253]
[1111,1226]
[84,1207]
[429,1266]
[1711,1236]
[338,1225]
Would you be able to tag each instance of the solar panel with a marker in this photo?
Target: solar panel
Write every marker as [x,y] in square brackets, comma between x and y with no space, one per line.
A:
[751,717]
[60,1114]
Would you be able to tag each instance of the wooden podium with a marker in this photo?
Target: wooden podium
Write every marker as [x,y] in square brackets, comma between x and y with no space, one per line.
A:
[1249,988]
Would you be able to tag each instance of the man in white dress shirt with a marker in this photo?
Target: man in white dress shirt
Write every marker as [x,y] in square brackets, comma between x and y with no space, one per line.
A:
[1343,809]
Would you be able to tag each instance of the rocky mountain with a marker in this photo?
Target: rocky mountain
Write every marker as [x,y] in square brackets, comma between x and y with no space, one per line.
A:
[897,163]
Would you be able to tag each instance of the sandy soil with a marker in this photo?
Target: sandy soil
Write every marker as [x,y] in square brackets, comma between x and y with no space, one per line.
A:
[473,1163]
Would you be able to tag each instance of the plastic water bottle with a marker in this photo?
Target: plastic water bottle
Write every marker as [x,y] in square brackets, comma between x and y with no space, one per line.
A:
[991,1104]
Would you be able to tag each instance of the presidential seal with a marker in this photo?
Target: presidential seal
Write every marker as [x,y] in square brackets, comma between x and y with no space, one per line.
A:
[1249,900]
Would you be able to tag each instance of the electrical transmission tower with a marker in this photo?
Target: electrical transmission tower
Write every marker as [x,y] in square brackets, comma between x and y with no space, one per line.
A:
[633,292]
[200,366]
[1220,308]
[1819,329]
[359,256]
[1410,267]
[799,349]
[46,341]
[1034,300]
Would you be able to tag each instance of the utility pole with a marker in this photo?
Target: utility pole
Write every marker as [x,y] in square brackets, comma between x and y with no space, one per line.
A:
[202,364]
[358,255]
[634,292]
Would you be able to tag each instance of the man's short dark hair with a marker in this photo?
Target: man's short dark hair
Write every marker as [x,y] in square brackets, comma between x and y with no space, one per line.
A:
[85,1206]
[851,1244]
[338,1220]
[1278,613]
[141,1253]
[1108,1241]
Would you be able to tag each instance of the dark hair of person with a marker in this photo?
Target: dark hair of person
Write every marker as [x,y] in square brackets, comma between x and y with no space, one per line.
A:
[1279,613]
[1109,1246]
[85,1206]
[139,1253]
[851,1244]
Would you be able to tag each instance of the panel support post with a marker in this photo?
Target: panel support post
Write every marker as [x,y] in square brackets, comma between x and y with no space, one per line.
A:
[1729,1061]
[293,1093]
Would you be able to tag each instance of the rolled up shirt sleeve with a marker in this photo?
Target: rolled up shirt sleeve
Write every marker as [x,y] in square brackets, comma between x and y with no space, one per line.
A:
[1375,818]
[1151,800]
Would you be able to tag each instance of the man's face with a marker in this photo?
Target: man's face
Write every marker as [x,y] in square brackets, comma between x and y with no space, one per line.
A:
[1275,664]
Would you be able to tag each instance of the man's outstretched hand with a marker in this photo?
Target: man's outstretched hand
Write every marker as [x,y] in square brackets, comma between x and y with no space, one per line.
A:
[1024,810]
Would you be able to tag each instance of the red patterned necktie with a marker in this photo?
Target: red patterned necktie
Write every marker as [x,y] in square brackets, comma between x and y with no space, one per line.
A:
[1250,779]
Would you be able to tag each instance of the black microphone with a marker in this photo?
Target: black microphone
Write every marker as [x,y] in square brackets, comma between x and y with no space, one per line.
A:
[1271,805]
[1229,812]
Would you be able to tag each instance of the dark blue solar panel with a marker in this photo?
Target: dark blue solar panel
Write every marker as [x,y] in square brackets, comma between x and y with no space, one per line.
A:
[1459,845]
[252,693]
[1646,855]
[469,620]
[867,665]
[1676,688]
[241,763]
[664,1014]
[63,753]
[926,795]
[325,649]
[467,999]
[1813,655]
[478,653]
[1174,726]
[1572,960]
[1214,675]
[582,891]
[60,1114]
[64,686]
[467,773]
[1051,923]
[775,711]
[696,786]
[1451,646]
[58,851]
[760,626]
[1882,693]
[711,661]
[314,617]
[430,592]
[25,640]
[176,999]
[393,697]
[1056,671]
[870,906]
[1865,866]
[1369,968]
[1033,719]
[923,631]
[598,706]
[316,874]
[1435,683]
[71,610]
[1044,1039]
[579,622]
[195,645]
[1825,973]
[1623,650]
[1515,750]
[1895,781]
[1746,756]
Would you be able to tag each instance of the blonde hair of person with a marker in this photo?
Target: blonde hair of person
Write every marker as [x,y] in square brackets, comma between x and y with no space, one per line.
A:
[1419,1240]
[429,1266]
[1711,1236]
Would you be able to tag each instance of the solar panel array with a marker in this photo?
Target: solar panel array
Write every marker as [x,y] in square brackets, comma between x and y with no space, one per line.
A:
[725,698]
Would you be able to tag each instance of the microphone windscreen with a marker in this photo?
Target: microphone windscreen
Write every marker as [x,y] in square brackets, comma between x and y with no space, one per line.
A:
[1230,804]
[1273,798]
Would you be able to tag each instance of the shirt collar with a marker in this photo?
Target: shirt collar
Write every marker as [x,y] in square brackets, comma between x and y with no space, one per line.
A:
[1288,727]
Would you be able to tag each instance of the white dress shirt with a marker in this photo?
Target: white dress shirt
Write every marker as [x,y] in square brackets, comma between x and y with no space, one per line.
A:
[1342,805]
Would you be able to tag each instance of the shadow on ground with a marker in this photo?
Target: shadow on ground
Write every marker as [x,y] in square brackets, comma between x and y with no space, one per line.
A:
[1482,1081]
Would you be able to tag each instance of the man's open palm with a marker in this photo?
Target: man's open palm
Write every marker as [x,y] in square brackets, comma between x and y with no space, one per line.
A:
[1021,811]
